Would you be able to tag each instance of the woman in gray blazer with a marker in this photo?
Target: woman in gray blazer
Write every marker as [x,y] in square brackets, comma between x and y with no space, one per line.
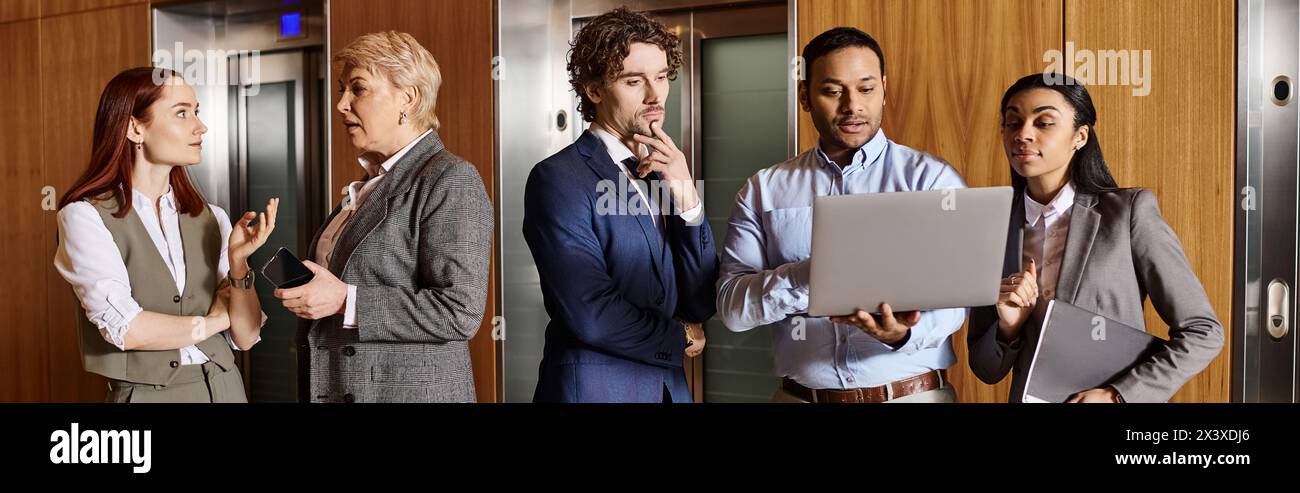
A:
[402,264]
[1087,243]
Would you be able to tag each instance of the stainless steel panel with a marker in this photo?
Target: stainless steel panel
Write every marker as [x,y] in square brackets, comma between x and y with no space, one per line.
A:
[1264,367]
[532,43]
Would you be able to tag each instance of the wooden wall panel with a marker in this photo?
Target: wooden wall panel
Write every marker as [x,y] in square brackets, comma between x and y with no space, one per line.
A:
[1178,139]
[14,10]
[50,8]
[947,64]
[24,350]
[72,76]
[460,37]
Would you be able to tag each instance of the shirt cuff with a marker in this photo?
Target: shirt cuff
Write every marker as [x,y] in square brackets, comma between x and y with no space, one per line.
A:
[350,309]
[115,321]
[231,339]
[792,300]
[695,216]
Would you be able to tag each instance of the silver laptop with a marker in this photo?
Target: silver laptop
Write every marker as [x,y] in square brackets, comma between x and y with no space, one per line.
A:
[913,250]
[1077,350]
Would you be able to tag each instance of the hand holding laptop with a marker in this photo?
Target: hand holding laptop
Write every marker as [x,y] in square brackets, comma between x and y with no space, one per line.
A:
[1078,354]
[888,327]
[945,249]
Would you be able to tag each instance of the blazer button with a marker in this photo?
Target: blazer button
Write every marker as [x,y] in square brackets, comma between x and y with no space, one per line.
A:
[348,398]
[349,351]
[174,364]
[659,300]
[176,299]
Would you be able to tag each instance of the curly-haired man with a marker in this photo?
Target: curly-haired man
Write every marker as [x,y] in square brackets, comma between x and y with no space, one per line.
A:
[616,227]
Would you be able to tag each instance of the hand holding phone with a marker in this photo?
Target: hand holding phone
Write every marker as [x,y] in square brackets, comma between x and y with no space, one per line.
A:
[284,270]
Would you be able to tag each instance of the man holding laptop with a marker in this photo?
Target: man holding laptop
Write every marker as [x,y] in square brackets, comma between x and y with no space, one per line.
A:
[765,271]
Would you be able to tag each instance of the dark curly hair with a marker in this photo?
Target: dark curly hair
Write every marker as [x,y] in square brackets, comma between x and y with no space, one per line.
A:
[597,51]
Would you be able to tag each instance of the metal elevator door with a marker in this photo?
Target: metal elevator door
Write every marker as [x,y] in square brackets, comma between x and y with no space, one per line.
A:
[1264,284]
[273,145]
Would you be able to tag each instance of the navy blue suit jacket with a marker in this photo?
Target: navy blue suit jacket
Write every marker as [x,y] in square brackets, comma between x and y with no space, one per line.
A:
[611,283]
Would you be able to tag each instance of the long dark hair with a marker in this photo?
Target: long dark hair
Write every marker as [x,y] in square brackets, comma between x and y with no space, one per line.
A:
[128,95]
[1088,170]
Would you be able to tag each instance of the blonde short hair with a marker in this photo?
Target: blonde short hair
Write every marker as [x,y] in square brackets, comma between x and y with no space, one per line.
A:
[398,57]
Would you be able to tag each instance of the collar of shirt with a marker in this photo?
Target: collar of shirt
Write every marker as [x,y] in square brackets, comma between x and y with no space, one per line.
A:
[372,170]
[620,153]
[862,158]
[352,192]
[616,149]
[167,202]
[1058,205]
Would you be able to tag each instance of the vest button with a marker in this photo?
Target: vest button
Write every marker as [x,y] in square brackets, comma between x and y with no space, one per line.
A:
[174,364]
[176,299]
[349,351]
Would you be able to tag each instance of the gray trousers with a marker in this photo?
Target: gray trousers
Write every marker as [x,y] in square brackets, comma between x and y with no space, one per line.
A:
[203,383]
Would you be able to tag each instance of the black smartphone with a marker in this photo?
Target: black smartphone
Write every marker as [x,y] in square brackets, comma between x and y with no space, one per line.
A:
[284,270]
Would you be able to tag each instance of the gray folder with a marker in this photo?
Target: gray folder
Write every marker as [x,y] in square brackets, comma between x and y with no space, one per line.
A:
[1076,350]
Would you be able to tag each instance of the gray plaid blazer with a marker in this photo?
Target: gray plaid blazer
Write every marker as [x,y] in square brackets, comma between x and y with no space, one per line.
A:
[418,250]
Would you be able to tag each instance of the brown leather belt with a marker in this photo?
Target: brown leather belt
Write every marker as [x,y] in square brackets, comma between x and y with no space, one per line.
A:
[921,383]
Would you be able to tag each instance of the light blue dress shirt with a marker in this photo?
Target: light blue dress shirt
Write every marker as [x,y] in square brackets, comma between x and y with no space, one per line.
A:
[764,277]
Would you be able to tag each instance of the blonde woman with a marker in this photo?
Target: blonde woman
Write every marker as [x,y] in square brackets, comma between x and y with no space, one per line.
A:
[402,264]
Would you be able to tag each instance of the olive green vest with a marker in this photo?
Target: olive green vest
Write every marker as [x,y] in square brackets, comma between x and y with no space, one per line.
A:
[153,287]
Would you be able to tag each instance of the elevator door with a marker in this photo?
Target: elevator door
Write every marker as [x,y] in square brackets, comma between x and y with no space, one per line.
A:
[272,158]
[1264,346]
[735,121]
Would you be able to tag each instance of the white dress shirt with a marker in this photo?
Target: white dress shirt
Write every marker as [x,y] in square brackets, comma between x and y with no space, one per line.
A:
[90,261]
[619,153]
[353,196]
[1046,228]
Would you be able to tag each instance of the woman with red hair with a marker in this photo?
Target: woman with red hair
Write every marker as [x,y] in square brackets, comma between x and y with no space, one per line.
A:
[163,278]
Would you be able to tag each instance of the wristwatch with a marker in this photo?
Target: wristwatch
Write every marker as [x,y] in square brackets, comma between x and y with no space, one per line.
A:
[690,339]
[245,283]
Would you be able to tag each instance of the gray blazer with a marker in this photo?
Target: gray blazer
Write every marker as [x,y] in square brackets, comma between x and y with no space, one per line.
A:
[1118,252]
[418,250]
